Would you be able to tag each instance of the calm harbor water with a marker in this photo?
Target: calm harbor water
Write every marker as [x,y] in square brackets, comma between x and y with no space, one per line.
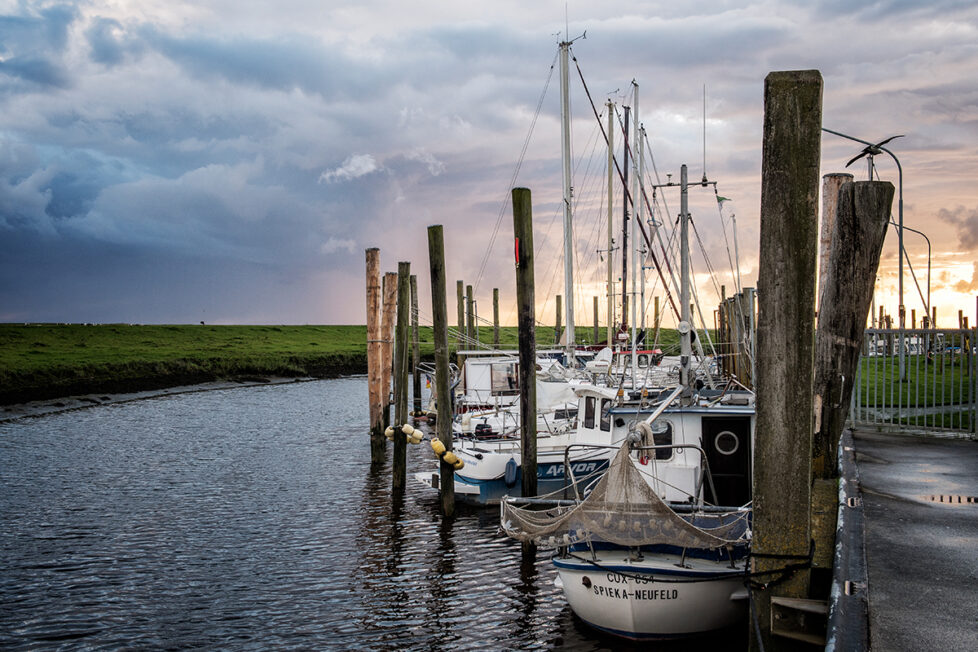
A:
[246,519]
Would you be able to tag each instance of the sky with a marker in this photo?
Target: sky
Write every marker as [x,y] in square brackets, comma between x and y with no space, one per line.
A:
[229,162]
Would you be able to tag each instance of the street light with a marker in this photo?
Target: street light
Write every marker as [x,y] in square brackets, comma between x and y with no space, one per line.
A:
[871,150]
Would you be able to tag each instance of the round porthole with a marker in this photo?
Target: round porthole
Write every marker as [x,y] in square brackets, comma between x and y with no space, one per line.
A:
[726,443]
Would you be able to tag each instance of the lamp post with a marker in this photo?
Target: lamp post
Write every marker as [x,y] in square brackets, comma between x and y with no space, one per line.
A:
[871,150]
[924,236]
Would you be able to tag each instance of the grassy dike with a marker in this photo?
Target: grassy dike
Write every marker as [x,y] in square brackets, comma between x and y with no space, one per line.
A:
[45,361]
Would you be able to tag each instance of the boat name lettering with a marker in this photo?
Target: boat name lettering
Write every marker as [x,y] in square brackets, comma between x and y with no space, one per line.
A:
[638,594]
[557,470]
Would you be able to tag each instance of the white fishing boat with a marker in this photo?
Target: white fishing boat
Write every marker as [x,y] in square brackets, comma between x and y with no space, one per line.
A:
[640,553]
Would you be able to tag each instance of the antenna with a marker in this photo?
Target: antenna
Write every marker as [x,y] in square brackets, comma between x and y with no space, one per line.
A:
[704,133]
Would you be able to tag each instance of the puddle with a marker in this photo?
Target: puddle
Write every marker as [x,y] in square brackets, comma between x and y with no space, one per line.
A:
[947,499]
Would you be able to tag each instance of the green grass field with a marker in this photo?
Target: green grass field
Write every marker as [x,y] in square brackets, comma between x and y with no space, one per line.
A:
[42,361]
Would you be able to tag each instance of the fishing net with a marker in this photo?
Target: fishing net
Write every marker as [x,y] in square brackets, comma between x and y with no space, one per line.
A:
[623,509]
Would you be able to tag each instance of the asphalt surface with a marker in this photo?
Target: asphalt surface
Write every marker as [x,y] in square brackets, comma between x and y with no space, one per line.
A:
[921,554]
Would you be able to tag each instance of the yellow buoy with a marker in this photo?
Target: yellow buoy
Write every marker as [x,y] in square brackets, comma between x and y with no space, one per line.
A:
[407,429]
[389,433]
[438,447]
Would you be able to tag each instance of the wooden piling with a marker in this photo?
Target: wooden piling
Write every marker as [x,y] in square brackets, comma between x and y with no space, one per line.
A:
[399,470]
[389,288]
[856,242]
[495,318]
[443,397]
[830,197]
[596,328]
[469,317]
[933,319]
[415,349]
[460,324]
[557,321]
[375,359]
[523,230]
[786,293]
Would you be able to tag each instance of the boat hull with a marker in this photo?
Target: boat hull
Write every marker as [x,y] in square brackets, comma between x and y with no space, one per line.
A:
[654,598]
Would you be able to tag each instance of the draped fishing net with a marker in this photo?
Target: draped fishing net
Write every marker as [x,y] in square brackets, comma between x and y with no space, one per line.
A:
[623,509]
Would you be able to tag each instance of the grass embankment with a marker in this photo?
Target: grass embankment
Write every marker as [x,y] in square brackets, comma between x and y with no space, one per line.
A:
[45,361]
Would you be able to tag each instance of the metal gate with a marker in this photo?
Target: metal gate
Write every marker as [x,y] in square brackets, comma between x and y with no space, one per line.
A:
[917,380]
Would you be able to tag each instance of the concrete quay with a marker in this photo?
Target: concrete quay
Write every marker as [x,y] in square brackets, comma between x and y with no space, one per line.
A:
[920,511]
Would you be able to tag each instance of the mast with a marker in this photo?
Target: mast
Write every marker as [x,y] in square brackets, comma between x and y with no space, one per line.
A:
[568,221]
[685,322]
[611,236]
[636,207]
[641,217]
[624,229]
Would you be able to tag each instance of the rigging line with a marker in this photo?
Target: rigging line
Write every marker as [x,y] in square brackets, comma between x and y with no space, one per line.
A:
[651,252]
[699,310]
[516,172]
[706,258]
[726,241]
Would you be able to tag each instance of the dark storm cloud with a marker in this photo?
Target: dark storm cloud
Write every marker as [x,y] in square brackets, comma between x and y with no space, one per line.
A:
[31,46]
[287,63]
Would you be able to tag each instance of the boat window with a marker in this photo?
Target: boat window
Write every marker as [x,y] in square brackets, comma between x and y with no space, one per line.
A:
[643,360]
[662,436]
[606,414]
[504,378]
[589,412]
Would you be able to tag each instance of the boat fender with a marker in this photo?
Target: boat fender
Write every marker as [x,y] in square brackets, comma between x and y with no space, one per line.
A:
[389,433]
[407,429]
[445,455]
[414,438]
[510,474]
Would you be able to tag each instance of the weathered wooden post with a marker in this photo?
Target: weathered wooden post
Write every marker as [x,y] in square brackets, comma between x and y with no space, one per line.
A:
[375,359]
[933,319]
[460,296]
[469,317]
[596,330]
[495,318]
[856,242]
[523,230]
[830,197]
[415,349]
[785,338]
[443,398]
[399,466]
[389,287]
[913,318]
[557,321]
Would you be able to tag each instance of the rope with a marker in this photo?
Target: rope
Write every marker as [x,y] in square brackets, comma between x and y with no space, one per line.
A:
[516,172]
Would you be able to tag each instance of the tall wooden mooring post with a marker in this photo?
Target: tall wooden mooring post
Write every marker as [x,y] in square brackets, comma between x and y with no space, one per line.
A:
[526,314]
[785,342]
[443,398]
[856,240]
[376,392]
[401,359]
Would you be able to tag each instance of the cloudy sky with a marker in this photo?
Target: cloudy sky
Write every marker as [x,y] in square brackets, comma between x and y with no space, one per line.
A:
[230,161]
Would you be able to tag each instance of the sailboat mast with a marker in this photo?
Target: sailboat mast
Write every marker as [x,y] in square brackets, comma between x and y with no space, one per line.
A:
[685,324]
[641,217]
[624,230]
[636,205]
[568,221]
[611,233]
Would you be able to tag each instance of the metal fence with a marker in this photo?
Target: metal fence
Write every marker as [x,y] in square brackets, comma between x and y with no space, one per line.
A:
[931,386]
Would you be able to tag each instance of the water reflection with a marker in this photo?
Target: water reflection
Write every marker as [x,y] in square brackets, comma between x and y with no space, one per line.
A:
[248,519]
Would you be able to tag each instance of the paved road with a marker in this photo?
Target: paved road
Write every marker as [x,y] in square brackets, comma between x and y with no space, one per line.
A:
[922,556]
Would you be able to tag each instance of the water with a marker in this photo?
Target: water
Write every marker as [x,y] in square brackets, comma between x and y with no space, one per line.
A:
[246,519]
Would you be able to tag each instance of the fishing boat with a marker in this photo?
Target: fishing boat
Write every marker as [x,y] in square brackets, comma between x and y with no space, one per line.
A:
[640,552]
